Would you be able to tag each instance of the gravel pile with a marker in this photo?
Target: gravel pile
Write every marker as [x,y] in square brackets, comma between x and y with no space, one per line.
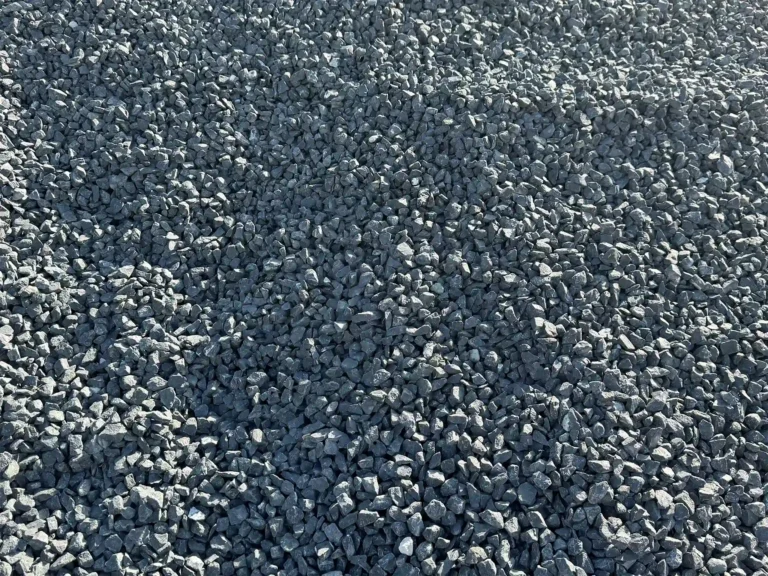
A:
[382,288]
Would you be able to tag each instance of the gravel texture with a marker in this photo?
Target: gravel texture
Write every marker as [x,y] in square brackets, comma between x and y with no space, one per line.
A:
[383,288]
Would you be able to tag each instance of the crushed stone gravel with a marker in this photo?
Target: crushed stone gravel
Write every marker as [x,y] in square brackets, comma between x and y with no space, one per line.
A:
[383,288]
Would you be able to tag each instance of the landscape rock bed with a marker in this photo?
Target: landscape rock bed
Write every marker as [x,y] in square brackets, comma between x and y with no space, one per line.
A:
[383,288]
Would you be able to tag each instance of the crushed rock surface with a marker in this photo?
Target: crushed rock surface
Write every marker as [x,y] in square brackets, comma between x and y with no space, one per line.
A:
[383,288]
